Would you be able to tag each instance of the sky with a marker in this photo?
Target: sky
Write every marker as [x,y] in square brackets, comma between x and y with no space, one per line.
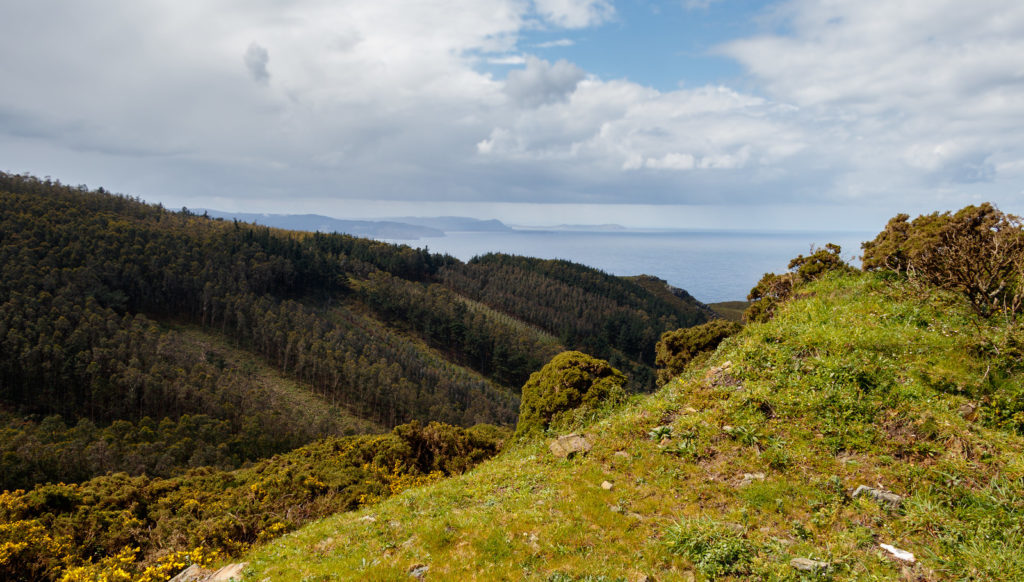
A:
[799,114]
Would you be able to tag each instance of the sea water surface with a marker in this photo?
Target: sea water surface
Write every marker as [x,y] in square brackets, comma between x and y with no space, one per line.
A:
[712,265]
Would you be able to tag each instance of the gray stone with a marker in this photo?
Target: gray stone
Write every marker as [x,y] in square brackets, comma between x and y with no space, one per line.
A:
[192,574]
[749,478]
[969,411]
[229,572]
[418,571]
[880,496]
[567,446]
[807,565]
[607,485]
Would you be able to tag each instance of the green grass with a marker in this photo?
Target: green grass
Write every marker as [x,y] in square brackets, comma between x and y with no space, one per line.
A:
[731,310]
[858,382]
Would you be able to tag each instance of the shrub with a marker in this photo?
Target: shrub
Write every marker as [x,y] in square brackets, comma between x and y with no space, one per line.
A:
[774,289]
[570,381]
[677,348]
[978,252]
[714,548]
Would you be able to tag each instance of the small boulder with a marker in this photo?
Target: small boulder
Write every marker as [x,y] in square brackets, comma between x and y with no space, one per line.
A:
[749,478]
[607,486]
[807,565]
[969,411]
[228,572]
[899,554]
[418,571]
[567,446]
[880,496]
[193,573]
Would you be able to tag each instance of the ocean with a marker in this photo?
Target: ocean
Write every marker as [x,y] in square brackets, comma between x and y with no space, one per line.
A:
[712,265]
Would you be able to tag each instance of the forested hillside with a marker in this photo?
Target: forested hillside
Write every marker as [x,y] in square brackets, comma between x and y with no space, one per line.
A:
[108,307]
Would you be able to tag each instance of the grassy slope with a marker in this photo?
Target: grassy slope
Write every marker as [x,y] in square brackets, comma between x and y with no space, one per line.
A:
[731,310]
[841,389]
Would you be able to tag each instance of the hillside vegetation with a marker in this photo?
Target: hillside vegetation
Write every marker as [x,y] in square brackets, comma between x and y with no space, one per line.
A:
[117,312]
[747,461]
[152,363]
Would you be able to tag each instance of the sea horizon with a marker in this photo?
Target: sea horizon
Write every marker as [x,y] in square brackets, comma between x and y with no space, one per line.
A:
[713,265]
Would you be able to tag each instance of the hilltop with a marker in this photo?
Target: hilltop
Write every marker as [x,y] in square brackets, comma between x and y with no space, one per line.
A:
[749,460]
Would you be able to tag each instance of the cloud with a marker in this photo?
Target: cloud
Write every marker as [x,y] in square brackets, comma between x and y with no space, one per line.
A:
[256,59]
[562,42]
[575,13]
[542,83]
[906,102]
[928,92]
[698,4]
[507,60]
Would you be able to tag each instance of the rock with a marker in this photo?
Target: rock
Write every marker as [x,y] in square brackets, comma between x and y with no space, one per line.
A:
[368,518]
[622,454]
[969,411]
[231,571]
[749,478]
[898,553]
[720,376]
[192,574]
[807,565]
[418,571]
[395,524]
[565,447]
[882,497]
[607,486]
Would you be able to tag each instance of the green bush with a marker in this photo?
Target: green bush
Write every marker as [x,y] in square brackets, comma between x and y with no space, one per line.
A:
[714,548]
[570,381]
[774,289]
[677,348]
[978,252]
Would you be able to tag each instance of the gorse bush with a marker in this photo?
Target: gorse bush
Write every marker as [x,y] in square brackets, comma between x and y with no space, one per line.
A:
[774,289]
[677,348]
[569,382]
[978,252]
[119,527]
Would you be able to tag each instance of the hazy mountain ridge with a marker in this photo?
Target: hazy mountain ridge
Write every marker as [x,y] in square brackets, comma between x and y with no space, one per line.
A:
[387,229]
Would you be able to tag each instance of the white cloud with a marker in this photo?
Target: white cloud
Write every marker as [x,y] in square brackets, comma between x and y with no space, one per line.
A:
[575,13]
[542,83]
[507,60]
[397,100]
[672,161]
[923,91]
[562,42]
